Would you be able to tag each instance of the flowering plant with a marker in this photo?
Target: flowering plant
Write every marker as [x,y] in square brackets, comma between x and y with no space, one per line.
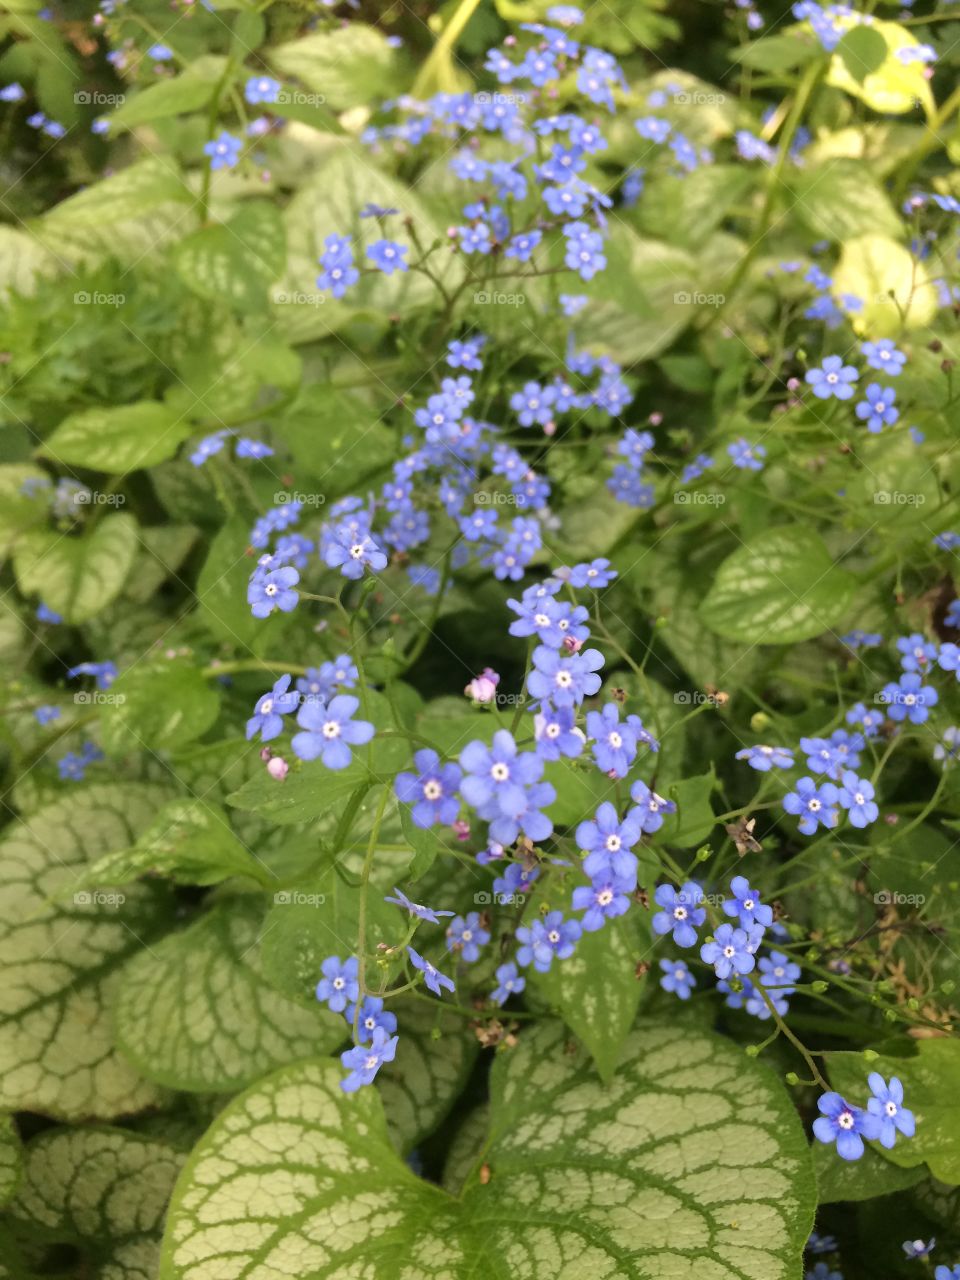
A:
[479,521]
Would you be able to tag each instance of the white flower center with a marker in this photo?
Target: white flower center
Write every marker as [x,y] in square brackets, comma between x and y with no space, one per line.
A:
[499,772]
[331,729]
[845,1120]
[564,679]
[432,789]
[615,740]
[266,706]
[679,913]
[270,589]
[553,937]
[604,897]
[356,551]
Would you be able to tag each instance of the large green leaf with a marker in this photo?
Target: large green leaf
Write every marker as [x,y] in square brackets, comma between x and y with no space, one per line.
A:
[10,1158]
[118,439]
[336,440]
[189,91]
[893,284]
[102,1192]
[77,576]
[348,66]
[195,1013]
[143,187]
[158,707]
[235,261]
[842,199]
[692,1162]
[852,1180]
[56,1040]
[780,587]
[931,1085]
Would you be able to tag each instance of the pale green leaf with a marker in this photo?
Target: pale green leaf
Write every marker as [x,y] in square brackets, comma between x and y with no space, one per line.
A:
[141,188]
[158,706]
[77,576]
[189,91]
[348,66]
[842,199]
[118,439]
[10,1158]
[894,286]
[56,1038]
[692,1162]
[194,1012]
[879,78]
[235,261]
[863,1179]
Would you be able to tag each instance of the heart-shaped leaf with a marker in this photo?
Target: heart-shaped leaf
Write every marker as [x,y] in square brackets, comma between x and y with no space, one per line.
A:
[691,1163]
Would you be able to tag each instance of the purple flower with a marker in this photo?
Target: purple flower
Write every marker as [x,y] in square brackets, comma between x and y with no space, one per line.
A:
[432,976]
[729,952]
[843,1124]
[603,899]
[564,679]
[608,842]
[856,796]
[555,732]
[430,914]
[681,914]
[509,983]
[764,758]
[365,1060]
[270,707]
[615,744]
[814,805]
[651,807]
[887,1106]
[746,905]
[677,978]
[339,986]
[330,731]
[466,936]
[432,790]
[596,574]
[351,555]
[372,1016]
[833,378]
[546,938]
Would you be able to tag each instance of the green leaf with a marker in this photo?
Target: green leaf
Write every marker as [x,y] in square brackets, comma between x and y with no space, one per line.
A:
[885,83]
[776,53]
[691,1162]
[24,262]
[349,66]
[780,587]
[307,792]
[234,262]
[863,51]
[931,1088]
[854,1180]
[158,707]
[56,1038]
[189,91]
[195,1013]
[77,576]
[10,1158]
[694,820]
[142,188]
[222,592]
[336,440]
[579,790]
[190,842]
[18,511]
[687,210]
[118,439]
[102,1191]
[596,991]
[896,290]
[842,199]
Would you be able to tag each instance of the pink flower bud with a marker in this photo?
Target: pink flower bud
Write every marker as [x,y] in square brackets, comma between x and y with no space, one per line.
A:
[483,688]
[461,829]
[278,768]
[655,419]
[550,428]
[572,644]
[266,753]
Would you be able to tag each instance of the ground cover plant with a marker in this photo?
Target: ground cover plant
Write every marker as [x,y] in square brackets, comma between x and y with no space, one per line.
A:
[481,640]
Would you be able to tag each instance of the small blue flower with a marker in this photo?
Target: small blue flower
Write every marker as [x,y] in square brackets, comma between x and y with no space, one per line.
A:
[509,983]
[224,152]
[432,790]
[867,721]
[862,639]
[465,354]
[465,936]
[555,732]
[884,357]
[372,1016]
[747,456]
[651,807]
[832,378]
[545,939]
[909,699]
[330,731]
[615,744]
[682,913]
[603,899]
[46,614]
[339,272]
[856,796]
[104,672]
[339,985]
[522,246]
[746,905]
[247,448]
[270,708]
[919,1248]
[365,1060]
[729,952]
[764,758]
[47,714]
[887,1106]
[564,679]
[677,978]
[432,976]
[12,92]
[273,590]
[596,574]
[815,806]
[878,409]
[430,914]
[608,843]
[947,1273]
[260,89]
[387,255]
[351,555]
[822,1272]
[844,1124]
[917,653]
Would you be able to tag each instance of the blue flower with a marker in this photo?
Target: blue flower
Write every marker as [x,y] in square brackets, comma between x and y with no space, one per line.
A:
[862,639]
[338,272]
[947,1273]
[372,1016]
[814,805]
[509,983]
[353,554]
[475,239]
[887,1106]
[615,744]
[844,1124]
[856,796]
[884,357]
[555,732]
[778,972]
[584,253]
[432,976]
[498,773]
[681,914]
[270,707]
[430,914]
[12,92]
[879,409]
[764,758]
[330,731]
[272,590]
[45,715]
[909,699]
[868,721]
[46,614]
[365,1060]
[822,1272]
[564,679]
[608,843]
[387,255]
[603,899]
[545,939]
[515,883]
[534,404]
[253,449]
[596,574]
[224,152]
[466,354]
[261,89]
[651,807]
[822,756]
[521,246]
[466,936]
[677,978]
[746,905]
[832,378]
[432,790]
[729,952]
[919,1248]
[572,303]
[747,456]
[917,653]
[104,672]
[339,985]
